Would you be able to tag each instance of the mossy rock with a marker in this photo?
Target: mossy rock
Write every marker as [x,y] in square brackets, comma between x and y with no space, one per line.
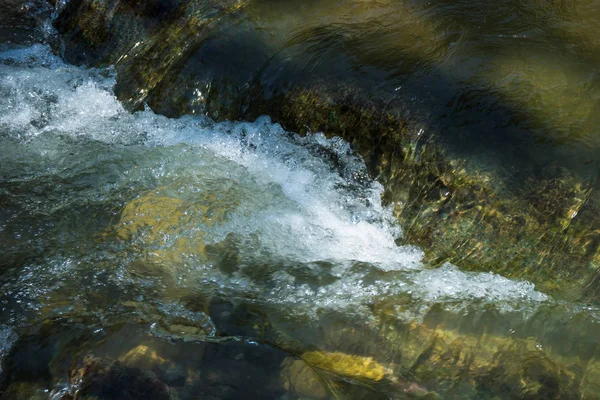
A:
[167,228]
[348,365]
[447,360]
[200,57]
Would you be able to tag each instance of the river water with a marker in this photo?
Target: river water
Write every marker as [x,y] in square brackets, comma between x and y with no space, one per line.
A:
[110,217]
[187,258]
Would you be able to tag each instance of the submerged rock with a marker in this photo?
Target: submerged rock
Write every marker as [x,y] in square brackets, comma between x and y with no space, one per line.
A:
[234,60]
[299,378]
[143,357]
[351,366]
[416,359]
[362,369]
[452,362]
[168,229]
[66,360]
[102,379]
[25,391]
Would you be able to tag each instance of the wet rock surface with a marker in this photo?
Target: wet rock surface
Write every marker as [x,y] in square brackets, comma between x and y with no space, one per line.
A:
[517,212]
[416,360]
[126,362]
[145,331]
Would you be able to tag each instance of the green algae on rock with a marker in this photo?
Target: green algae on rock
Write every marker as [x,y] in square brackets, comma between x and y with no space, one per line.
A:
[437,354]
[289,252]
[538,224]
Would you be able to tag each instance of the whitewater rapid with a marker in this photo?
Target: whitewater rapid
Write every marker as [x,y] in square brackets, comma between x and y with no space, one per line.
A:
[301,214]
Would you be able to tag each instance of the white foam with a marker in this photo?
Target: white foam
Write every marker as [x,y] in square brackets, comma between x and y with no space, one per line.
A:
[294,205]
[448,283]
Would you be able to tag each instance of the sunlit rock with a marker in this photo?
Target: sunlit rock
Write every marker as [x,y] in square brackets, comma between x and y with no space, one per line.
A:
[558,97]
[171,228]
[349,365]
[142,357]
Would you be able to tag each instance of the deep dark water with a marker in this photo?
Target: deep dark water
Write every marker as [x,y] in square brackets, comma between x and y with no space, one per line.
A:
[438,239]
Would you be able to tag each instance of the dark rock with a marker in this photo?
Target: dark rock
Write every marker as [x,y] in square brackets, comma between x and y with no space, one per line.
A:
[22,22]
[101,379]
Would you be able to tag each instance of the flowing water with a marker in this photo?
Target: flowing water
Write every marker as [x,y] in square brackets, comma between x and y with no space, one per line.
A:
[110,217]
[151,257]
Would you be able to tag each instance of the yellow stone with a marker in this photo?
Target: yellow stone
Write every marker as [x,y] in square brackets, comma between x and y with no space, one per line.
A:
[142,357]
[172,227]
[347,365]
[159,214]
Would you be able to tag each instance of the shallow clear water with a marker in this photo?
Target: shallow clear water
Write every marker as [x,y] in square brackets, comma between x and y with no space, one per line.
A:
[516,81]
[136,228]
